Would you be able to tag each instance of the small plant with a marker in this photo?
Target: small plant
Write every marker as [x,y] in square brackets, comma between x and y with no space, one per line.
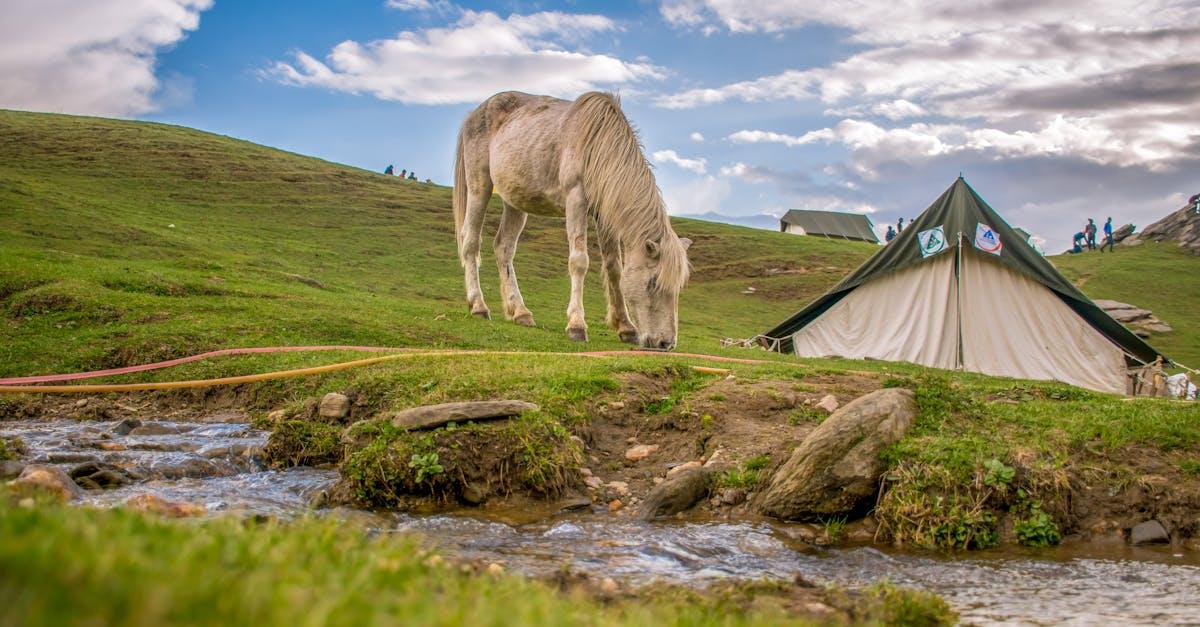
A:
[805,414]
[997,473]
[706,421]
[835,527]
[747,475]
[426,465]
[1191,466]
[716,397]
[1039,529]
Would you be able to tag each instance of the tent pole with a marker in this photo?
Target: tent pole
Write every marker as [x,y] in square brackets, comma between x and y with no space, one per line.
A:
[958,299]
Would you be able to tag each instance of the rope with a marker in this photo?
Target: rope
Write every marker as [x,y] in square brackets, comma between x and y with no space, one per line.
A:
[302,372]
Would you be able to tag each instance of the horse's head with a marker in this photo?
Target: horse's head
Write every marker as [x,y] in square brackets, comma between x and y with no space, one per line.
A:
[651,277]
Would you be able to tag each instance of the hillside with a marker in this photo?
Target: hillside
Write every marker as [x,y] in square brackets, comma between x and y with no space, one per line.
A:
[126,242]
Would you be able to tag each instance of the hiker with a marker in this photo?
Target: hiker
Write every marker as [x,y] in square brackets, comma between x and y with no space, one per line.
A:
[390,170]
[1077,243]
[412,176]
[891,234]
[899,226]
[1108,238]
[1194,201]
[1090,232]
[403,173]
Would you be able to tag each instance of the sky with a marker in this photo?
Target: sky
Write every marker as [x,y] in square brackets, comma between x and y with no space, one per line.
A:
[1053,111]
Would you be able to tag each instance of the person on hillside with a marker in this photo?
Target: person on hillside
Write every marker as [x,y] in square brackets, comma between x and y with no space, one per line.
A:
[1077,243]
[1090,232]
[390,170]
[1194,201]
[899,226]
[403,173]
[1108,236]
[891,234]
[412,176]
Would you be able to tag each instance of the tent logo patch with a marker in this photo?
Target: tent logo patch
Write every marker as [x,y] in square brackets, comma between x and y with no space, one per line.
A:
[932,241]
[987,240]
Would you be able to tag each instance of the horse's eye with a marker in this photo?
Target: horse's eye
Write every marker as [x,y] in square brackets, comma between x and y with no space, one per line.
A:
[652,284]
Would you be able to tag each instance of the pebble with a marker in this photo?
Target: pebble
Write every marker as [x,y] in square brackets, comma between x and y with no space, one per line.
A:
[495,569]
[593,482]
[587,472]
[620,487]
[81,403]
[335,405]
[608,586]
[640,452]
[617,405]
[829,403]
[1149,532]
[615,505]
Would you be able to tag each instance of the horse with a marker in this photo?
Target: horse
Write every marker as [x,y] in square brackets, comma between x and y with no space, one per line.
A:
[572,159]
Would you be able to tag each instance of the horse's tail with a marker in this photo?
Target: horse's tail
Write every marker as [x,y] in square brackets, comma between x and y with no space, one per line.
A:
[459,201]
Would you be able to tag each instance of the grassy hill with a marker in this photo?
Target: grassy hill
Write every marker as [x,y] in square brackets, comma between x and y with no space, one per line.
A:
[126,242]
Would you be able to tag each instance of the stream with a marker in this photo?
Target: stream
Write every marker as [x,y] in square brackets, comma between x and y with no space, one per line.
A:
[213,464]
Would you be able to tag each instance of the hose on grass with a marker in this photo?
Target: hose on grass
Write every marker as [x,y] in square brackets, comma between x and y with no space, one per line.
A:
[314,370]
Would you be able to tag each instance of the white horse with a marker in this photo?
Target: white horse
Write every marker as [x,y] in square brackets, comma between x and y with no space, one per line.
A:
[553,157]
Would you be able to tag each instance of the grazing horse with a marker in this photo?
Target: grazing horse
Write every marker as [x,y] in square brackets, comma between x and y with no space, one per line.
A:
[553,157]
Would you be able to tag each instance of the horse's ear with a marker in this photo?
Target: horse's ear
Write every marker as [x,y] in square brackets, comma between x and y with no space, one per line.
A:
[687,243]
[652,249]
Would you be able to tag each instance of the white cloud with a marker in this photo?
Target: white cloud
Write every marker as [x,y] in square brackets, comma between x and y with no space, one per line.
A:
[696,136]
[1113,82]
[771,137]
[95,57]
[697,196]
[479,55]
[696,165]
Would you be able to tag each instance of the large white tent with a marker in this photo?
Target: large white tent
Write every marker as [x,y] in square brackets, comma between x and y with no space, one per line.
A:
[960,289]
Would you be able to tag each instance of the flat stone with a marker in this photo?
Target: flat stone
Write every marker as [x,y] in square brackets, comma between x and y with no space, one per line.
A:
[99,475]
[640,452]
[334,406]
[1149,532]
[619,487]
[433,416]
[829,403]
[156,428]
[676,494]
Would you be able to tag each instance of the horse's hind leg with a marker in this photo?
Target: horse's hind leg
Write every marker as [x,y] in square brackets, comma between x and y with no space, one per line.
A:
[512,222]
[577,262]
[618,316]
[477,200]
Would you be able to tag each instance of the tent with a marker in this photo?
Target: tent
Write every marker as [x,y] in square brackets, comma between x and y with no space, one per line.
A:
[960,289]
[852,226]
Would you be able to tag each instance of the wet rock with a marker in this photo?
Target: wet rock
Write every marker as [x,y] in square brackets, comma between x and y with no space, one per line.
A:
[593,482]
[837,467]
[433,416]
[156,428]
[676,494]
[171,509]
[475,493]
[1149,532]
[50,479]
[195,468]
[11,468]
[127,425]
[571,505]
[683,468]
[69,457]
[828,402]
[99,476]
[110,446]
[733,496]
[640,452]
[334,406]
[608,586]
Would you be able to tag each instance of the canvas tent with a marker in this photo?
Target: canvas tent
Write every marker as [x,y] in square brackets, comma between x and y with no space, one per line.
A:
[852,226]
[960,289]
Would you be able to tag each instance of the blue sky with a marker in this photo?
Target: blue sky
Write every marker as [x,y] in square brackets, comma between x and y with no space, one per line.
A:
[1055,112]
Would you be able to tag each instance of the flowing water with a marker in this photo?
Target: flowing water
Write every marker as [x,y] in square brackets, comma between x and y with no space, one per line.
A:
[215,465]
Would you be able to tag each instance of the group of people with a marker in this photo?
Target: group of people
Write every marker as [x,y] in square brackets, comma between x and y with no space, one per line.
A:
[893,232]
[404,174]
[1087,237]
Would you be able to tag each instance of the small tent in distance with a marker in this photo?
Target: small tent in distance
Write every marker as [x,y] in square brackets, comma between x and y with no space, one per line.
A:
[832,224]
[959,289]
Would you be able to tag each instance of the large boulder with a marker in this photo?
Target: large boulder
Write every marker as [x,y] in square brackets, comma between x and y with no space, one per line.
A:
[50,479]
[837,467]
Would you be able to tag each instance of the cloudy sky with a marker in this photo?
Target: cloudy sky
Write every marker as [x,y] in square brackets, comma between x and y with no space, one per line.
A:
[1054,111]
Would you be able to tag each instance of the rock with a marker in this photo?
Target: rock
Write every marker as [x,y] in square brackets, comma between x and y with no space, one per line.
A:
[81,403]
[733,496]
[620,488]
[571,505]
[153,504]
[615,505]
[10,468]
[837,467]
[1133,241]
[99,476]
[677,493]
[683,468]
[640,452]
[334,406]
[1123,233]
[495,569]
[1181,226]
[608,586]
[593,482]
[50,479]
[277,416]
[713,459]
[155,428]
[585,471]
[1149,532]
[432,416]
[828,402]
[110,446]
[475,493]
[127,425]
[617,405]
[192,468]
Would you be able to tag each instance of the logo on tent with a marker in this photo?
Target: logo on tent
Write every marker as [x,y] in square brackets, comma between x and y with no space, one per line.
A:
[932,241]
[987,240]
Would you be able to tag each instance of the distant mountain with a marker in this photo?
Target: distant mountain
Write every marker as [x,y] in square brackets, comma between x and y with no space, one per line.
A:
[759,221]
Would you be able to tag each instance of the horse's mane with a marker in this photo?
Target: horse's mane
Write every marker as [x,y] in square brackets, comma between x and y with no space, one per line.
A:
[620,186]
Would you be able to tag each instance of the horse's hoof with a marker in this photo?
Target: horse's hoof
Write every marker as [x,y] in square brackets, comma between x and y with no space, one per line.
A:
[577,335]
[629,337]
[485,314]
[525,320]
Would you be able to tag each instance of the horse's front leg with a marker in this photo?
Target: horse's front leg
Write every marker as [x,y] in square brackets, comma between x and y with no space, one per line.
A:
[577,263]
[618,315]
[512,222]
